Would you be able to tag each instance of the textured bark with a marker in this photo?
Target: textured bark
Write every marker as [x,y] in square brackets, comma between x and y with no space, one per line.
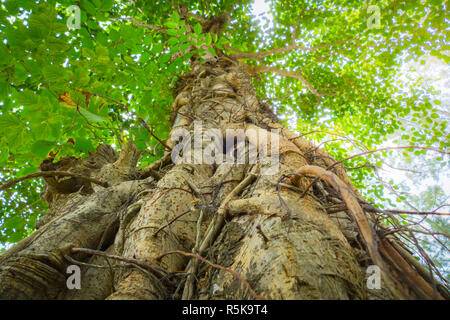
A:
[290,251]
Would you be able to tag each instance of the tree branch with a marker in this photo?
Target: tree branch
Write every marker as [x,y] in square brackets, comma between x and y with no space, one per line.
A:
[49,174]
[260,55]
[292,74]
[369,152]
[153,135]
[341,207]
[138,23]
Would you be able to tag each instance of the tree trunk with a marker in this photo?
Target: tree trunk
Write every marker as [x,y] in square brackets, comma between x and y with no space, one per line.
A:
[261,237]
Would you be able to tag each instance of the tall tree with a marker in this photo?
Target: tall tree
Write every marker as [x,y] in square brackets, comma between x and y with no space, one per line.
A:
[104,112]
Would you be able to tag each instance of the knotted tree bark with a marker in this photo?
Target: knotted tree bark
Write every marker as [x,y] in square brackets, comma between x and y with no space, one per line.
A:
[210,230]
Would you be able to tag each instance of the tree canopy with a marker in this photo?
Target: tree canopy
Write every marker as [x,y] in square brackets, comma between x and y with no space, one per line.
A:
[328,69]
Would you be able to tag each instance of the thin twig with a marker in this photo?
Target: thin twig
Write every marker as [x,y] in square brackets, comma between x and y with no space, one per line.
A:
[234,273]
[369,152]
[260,55]
[167,224]
[138,23]
[297,75]
[152,134]
[138,263]
[342,207]
[213,230]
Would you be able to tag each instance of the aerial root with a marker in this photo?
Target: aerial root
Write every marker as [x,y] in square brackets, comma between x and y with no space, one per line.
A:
[355,209]
[211,233]
[217,266]
[370,238]
[157,272]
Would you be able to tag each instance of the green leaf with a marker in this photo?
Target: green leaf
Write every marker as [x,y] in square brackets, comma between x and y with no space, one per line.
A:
[41,148]
[212,51]
[107,5]
[172,41]
[89,7]
[5,89]
[172,25]
[83,144]
[184,47]
[198,29]
[53,73]
[92,117]
[208,39]
[12,6]
[4,154]
[165,58]
[172,32]
[175,17]
[27,98]
[9,122]
[157,48]
[13,222]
